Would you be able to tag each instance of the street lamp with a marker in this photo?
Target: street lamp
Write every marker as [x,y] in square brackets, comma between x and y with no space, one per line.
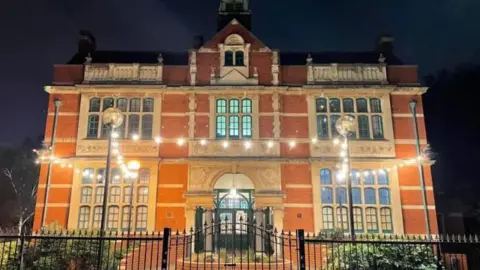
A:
[112,118]
[133,166]
[345,125]
[413,109]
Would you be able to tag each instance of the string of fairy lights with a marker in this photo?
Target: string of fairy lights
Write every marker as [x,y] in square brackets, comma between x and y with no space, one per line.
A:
[44,155]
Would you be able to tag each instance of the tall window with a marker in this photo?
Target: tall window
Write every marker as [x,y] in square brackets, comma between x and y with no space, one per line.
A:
[371,198]
[126,218]
[141,219]
[119,198]
[367,112]
[239,61]
[327,216]
[236,122]
[138,118]
[228,58]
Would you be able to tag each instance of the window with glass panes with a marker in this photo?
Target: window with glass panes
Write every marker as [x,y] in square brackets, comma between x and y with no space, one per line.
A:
[119,198]
[370,197]
[367,112]
[138,117]
[233,118]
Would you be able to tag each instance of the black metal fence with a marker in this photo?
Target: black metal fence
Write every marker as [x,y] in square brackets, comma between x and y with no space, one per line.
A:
[235,245]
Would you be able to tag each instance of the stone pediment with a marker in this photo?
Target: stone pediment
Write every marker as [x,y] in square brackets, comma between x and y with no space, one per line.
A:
[234,77]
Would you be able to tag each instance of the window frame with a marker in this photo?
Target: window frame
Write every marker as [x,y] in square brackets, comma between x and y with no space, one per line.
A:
[230,121]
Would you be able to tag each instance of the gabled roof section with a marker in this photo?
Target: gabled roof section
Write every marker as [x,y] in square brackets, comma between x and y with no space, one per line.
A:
[234,27]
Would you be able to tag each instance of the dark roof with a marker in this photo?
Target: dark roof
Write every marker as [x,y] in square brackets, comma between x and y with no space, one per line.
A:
[369,57]
[128,57]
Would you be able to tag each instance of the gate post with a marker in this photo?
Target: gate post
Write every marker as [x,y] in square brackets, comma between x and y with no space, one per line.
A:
[301,248]
[165,245]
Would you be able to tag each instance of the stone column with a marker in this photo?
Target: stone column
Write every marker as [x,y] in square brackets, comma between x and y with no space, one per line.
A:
[278,214]
[189,224]
[259,230]
[208,219]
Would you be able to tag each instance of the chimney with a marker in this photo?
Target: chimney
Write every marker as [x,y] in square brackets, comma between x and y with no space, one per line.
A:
[86,43]
[385,44]
[197,42]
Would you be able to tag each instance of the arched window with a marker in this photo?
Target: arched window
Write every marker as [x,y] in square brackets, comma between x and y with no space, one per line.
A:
[135,105]
[99,195]
[382,177]
[100,176]
[239,58]
[234,106]
[133,124]
[114,195]
[325,177]
[327,218]
[341,195]
[356,196]
[127,218]
[342,218]
[322,126]
[246,105]
[113,215]
[386,220]
[335,105]
[228,58]
[84,217]
[348,105]
[363,127]
[141,219]
[358,219]
[94,105]
[221,126]
[375,105]
[371,220]
[105,131]
[221,106]
[321,105]
[368,177]
[122,104]
[147,105]
[369,194]
[147,126]
[333,123]
[377,127]
[97,216]
[107,103]
[144,176]
[142,196]
[87,176]
[86,195]
[246,126]
[120,130]
[92,126]
[127,191]
[362,106]
[234,127]
[116,176]
[327,196]
[355,176]
[384,196]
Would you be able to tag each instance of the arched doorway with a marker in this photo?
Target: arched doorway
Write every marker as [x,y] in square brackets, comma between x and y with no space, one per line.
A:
[234,204]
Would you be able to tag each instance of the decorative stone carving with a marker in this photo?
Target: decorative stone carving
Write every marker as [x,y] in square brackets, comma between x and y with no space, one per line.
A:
[99,148]
[275,102]
[255,72]
[123,73]
[160,59]
[235,149]
[212,72]
[347,73]
[192,102]
[381,58]
[275,68]
[193,68]
[234,39]
[88,59]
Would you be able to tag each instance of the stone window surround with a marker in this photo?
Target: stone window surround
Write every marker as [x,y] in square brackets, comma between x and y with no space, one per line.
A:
[231,46]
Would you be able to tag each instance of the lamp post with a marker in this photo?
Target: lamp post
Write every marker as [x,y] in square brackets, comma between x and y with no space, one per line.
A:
[413,109]
[345,125]
[112,118]
[51,150]
[133,167]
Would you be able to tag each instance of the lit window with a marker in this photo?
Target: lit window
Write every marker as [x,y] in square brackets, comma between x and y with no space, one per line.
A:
[127,195]
[239,61]
[221,106]
[370,197]
[246,106]
[94,105]
[127,218]
[384,196]
[237,119]
[142,196]
[325,177]
[228,58]
[234,126]
[147,126]
[327,196]
[342,218]
[147,105]
[141,219]
[114,195]
[386,220]
[116,176]
[377,127]
[144,176]
[92,128]
[87,176]
[362,106]
[234,106]
[246,126]
[375,105]
[86,195]
[348,105]
[358,219]
[341,195]
[97,217]
[355,177]
[327,218]
[112,219]
[100,176]
[356,196]
[135,105]
[371,220]
[368,177]
[382,178]
[99,195]
[84,217]
[221,126]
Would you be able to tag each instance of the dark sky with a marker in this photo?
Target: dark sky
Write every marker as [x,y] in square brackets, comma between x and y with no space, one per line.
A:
[35,34]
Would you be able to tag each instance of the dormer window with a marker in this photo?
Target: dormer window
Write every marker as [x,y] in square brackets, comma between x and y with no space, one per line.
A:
[228,58]
[239,58]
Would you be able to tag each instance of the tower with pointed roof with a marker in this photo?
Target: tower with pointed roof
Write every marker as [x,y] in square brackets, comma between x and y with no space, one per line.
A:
[233,9]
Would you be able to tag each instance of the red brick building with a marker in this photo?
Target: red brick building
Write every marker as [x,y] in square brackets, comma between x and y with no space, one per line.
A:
[235,113]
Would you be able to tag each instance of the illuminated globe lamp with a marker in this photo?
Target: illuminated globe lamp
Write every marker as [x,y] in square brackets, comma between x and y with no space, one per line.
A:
[346,125]
[112,117]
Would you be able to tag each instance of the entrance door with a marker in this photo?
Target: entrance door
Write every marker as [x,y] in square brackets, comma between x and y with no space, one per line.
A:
[232,214]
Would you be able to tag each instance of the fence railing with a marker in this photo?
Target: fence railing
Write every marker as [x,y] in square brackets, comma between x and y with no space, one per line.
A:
[235,246]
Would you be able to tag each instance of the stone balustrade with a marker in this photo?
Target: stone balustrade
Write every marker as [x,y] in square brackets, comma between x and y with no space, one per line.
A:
[123,73]
[338,73]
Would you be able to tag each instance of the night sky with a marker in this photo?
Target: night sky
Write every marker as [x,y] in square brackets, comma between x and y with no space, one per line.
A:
[35,34]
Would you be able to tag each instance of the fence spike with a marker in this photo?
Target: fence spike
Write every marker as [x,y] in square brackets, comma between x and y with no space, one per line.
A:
[241,218]
[191,229]
[184,232]
[275,231]
[282,233]
[175,233]
[289,233]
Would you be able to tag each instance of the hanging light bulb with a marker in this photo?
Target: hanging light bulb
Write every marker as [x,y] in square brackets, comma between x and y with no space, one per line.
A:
[336,141]
[247,145]
[292,144]
[314,140]
[158,140]
[135,137]
[225,144]
[270,144]
[180,141]
[203,142]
